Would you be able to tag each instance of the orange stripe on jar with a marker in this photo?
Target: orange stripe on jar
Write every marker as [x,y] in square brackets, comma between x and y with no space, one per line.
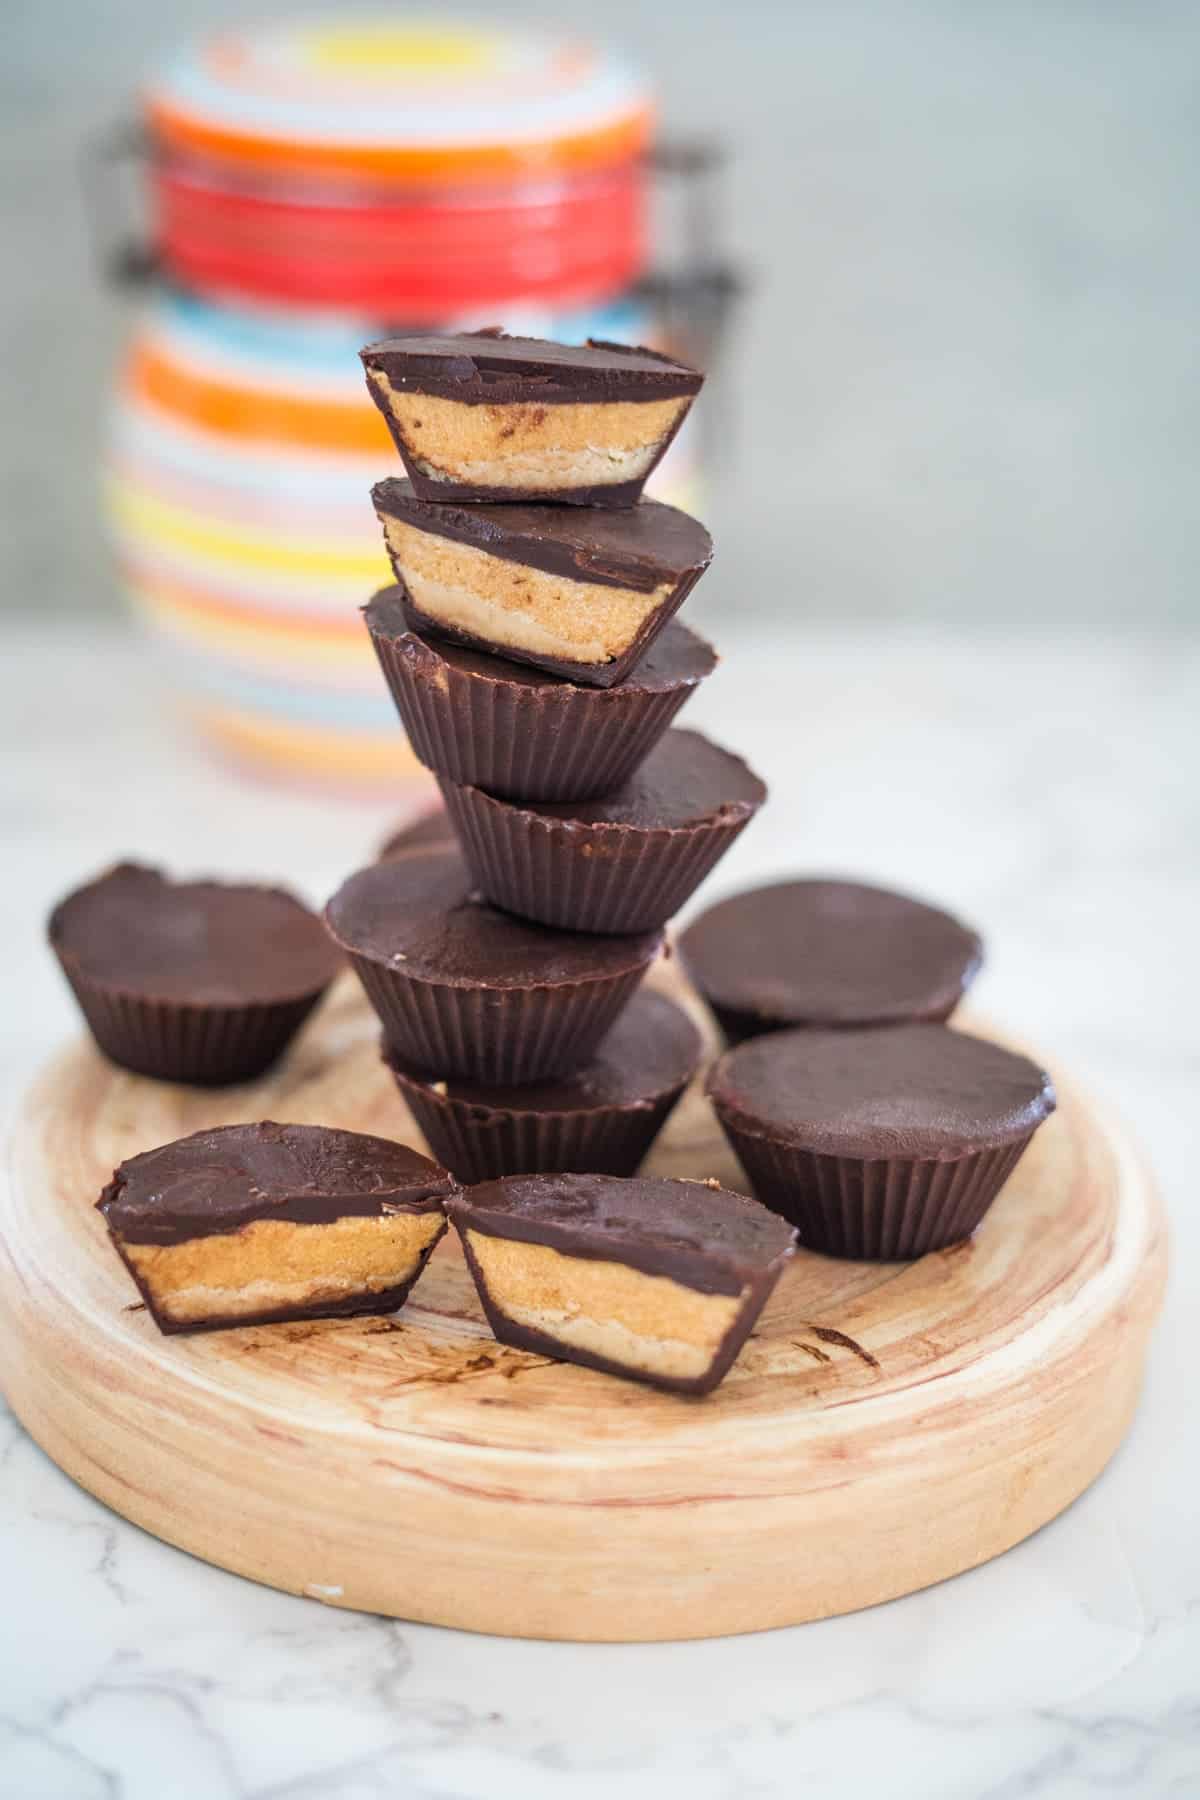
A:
[259,413]
[188,600]
[309,753]
[625,138]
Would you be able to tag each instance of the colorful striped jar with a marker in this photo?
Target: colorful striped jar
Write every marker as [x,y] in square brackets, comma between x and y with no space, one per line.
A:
[313,186]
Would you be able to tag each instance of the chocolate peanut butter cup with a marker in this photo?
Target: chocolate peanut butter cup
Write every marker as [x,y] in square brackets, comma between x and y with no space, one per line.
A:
[602,1118]
[658,1281]
[485,416]
[828,954]
[624,863]
[252,1224]
[518,731]
[196,981]
[574,590]
[467,991]
[881,1144]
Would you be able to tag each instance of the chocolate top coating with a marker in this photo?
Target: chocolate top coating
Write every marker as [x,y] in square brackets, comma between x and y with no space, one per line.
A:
[652,1048]
[491,368]
[922,1091]
[642,548]
[686,780]
[419,914]
[217,1181]
[695,1233]
[830,953]
[203,943]
[677,657]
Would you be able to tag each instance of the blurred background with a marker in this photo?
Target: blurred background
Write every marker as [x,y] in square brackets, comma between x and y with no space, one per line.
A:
[946,278]
[960,370]
[949,456]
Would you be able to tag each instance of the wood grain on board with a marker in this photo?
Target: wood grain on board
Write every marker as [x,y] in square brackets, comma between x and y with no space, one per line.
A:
[886,1426]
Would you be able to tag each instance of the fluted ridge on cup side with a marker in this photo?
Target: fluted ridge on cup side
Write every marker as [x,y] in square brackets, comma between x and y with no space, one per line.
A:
[494,1034]
[483,1144]
[880,1210]
[208,1046]
[605,878]
[525,743]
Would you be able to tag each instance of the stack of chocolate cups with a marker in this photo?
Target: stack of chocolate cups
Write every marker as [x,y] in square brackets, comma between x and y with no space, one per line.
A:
[533,654]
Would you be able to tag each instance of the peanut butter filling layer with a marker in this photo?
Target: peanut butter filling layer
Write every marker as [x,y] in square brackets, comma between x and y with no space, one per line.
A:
[524,445]
[510,604]
[273,1263]
[646,1322]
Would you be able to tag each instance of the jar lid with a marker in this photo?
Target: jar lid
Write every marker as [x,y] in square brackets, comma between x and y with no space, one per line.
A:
[415,103]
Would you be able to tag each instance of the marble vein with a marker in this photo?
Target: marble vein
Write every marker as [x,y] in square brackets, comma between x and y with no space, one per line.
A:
[1047,785]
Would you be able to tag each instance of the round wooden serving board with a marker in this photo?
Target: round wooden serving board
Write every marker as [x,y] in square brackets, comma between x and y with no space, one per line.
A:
[886,1426]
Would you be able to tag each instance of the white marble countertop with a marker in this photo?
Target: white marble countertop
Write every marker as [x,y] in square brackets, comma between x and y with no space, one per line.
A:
[1048,790]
